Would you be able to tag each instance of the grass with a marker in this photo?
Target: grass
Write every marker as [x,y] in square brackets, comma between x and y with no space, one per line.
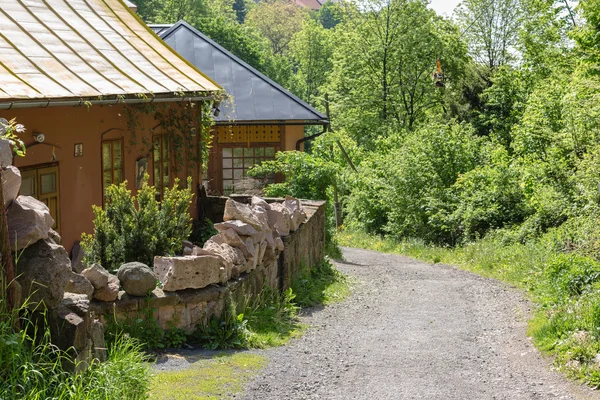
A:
[32,368]
[322,285]
[565,287]
[218,377]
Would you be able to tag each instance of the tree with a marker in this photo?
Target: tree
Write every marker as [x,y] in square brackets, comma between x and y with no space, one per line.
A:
[384,59]
[330,14]
[491,28]
[277,21]
[312,51]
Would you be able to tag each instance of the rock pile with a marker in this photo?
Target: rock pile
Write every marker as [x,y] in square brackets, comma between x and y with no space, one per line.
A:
[250,236]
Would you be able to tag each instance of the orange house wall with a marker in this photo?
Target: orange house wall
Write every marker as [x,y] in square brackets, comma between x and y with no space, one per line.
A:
[80,177]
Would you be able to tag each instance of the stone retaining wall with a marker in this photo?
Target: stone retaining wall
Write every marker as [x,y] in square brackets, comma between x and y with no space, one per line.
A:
[187,308]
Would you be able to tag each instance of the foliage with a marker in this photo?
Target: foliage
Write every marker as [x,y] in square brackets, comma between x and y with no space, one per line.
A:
[323,284]
[492,29]
[9,132]
[308,177]
[137,228]
[32,367]
[383,61]
[202,231]
[278,21]
[229,331]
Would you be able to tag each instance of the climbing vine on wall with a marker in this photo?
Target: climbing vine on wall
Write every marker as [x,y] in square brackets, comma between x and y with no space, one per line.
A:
[186,125]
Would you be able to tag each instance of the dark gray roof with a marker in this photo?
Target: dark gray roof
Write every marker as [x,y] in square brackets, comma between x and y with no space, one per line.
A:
[255,97]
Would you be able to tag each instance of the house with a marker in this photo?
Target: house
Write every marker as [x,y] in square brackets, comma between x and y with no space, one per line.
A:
[259,118]
[103,100]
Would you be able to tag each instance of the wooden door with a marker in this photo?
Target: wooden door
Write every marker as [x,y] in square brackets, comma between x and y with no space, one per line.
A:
[43,184]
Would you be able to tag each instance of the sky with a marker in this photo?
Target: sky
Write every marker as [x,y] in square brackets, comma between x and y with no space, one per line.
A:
[444,6]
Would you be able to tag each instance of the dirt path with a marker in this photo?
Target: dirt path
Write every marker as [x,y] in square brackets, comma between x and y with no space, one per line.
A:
[414,331]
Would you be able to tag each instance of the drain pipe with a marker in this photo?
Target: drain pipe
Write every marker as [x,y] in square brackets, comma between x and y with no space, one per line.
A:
[311,137]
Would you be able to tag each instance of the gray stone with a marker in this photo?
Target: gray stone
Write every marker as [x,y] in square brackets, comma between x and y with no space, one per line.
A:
[6,154]
[11,184]
[110,292]
[54,236]
[232,255]
[77,256]
[235,210]
[97,275]
[98,343]
[43,272]
[191,272]
[79,284]
[29,220]
[240,227]
[137,279]
[187,247]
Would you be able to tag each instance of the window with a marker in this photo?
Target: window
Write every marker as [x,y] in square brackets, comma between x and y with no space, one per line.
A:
[42,182]
[160,158]
[237,161]
[112,163]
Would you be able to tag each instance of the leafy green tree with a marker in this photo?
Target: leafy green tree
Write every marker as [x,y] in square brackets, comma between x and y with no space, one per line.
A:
[277,21]
[491,28]
[330,14]
[311,50]
[384,58]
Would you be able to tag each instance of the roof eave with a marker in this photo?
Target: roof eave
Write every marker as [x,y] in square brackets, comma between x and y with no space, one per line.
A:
[110,100]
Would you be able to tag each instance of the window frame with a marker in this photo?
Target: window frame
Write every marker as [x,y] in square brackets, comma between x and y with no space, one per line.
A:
[112,161]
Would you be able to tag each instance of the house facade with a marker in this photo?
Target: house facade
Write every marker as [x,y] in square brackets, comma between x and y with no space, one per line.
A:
[258,119]
[102,99]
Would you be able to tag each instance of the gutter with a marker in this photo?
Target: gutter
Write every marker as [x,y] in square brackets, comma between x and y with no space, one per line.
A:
[9,105]
[311,137]
[268,122]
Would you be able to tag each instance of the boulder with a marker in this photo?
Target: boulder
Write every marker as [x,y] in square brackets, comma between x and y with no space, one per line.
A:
[235,210]
[6,154]
[77,256]
[136,278]
[280,219]
[79,284]
[257,201]
[43,271]
[261,252]
[110,292]
[29,220]
[241,228]
[97,275]
[191,272]
[11,184]
[231,254]
[279,243]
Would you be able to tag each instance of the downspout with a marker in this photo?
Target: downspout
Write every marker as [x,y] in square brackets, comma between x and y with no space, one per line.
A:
[311,137]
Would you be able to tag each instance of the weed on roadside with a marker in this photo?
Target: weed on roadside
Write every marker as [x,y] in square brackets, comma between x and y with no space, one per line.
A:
[321,285]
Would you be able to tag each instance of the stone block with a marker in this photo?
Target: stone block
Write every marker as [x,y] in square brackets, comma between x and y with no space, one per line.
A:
[196,315]
[159,298]
[77,255]
[97,275]
[11,184]
[29,221]
[110,292]
[98,344]
[238,211]
[79,284]
[6,154]
[190,272]
[238,226]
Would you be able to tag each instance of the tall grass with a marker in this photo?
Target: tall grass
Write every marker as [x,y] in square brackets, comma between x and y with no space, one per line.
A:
[31,367]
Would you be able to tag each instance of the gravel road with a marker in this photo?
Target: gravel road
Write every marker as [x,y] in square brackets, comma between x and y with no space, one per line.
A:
[414,331]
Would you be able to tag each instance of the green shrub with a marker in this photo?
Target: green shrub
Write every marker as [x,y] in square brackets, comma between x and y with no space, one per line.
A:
[137,228]
[230,331]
